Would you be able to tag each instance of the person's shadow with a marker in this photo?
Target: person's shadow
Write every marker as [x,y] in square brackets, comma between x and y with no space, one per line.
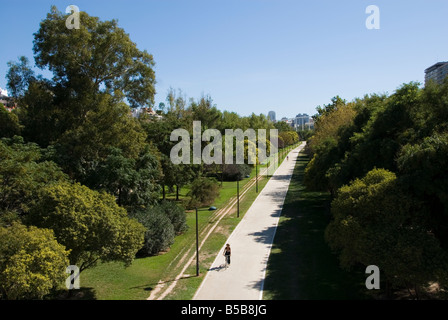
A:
[218,268]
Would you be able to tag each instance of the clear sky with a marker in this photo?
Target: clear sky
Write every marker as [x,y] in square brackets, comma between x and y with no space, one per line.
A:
[260,55]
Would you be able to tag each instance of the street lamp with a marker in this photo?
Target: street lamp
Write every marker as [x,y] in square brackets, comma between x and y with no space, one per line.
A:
[256,174]
[197,245]
[238,196]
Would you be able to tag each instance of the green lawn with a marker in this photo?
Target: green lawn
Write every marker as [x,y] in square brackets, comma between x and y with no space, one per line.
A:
[111,281]
[301,265]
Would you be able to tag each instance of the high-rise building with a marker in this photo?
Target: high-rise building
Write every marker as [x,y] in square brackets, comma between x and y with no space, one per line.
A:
[437,72]
[302,121]
[271,116]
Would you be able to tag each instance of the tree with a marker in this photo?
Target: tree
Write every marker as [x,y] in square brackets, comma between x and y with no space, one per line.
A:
[203,192]
[424,169]
[99,57]
[390,126]
[176,214]
[159,233]
[324,146]
[336,103]
[19,77]
[32,262]
[282,126]
[24,172]
[205,112]
[9,123]
[376,223]
[330,123]
[289,137]
[42,119]
[109,126]
[397,219]
[158,134]
[88,223]
[83,109]
[325,157]
[233,172]
[132,181]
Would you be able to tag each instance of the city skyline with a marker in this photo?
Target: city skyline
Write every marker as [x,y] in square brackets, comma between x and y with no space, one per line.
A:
[263,55]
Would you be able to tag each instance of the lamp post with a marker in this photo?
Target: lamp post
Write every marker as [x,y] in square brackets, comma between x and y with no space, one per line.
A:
[238,196]
[256,175]
[197,245]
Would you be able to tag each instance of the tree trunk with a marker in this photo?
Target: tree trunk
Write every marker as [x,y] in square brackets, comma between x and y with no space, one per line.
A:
[388,290]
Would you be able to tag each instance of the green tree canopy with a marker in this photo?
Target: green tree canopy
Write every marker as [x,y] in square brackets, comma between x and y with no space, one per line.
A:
[19,77]
[23,174]
[88,223]
[203,192]
[99,56]
[159,233]
[32,262]
[109,126]
[282,126]
[9,123]
[424,170]
[376,223]
[98,73]
[132,181]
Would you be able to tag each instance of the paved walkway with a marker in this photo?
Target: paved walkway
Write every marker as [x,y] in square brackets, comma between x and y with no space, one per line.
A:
[251,243]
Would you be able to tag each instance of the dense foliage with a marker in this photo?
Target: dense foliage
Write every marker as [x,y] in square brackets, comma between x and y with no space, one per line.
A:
[383,158]
[32,262]
[84,166]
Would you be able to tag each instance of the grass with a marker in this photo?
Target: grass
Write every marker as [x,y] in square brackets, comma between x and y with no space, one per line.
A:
[301,266]
[187,287]
[111,281]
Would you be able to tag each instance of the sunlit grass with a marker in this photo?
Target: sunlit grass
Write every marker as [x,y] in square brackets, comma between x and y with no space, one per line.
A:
[111,281]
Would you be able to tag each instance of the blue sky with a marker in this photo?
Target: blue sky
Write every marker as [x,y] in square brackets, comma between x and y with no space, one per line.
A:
[260,55]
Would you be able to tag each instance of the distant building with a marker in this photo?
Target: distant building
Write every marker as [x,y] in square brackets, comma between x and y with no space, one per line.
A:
[288,121]
[302,121]
[149,112]
[271,116]
[3,92]
[3,96]
[7,101]
[437,72]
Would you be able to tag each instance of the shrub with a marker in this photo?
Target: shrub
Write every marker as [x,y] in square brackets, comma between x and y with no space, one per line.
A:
[159,235]
[176,214]
[233,172]
[32,262]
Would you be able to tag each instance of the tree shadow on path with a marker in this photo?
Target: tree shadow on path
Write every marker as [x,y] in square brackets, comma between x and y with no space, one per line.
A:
[301,265]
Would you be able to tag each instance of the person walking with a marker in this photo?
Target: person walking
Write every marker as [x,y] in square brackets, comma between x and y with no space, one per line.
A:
[227,253]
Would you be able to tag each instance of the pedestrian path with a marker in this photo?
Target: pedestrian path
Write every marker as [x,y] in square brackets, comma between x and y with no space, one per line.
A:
[251,243]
